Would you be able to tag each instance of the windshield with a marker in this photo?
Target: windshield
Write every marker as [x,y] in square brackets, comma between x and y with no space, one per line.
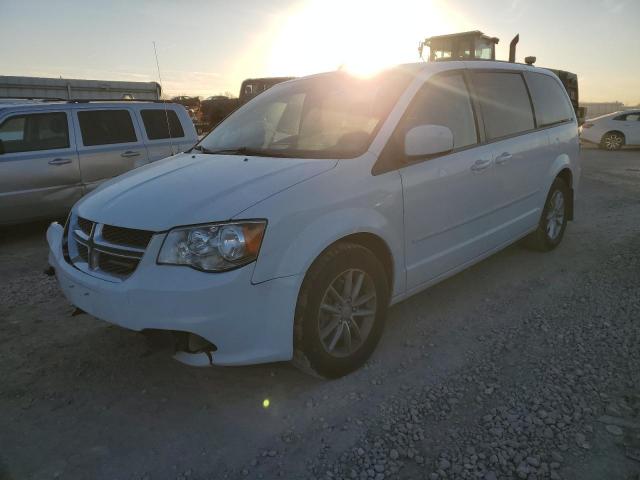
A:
[333,115]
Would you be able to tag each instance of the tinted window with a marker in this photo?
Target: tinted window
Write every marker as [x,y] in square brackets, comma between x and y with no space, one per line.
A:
[156,121]
[104,127]
[549,100]
[40,131]
[629,117]
[505,103]
[445,101]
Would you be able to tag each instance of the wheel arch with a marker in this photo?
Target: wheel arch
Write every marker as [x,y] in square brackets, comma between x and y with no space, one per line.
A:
[563,168]
[293,243]
[375,244]
[567,176]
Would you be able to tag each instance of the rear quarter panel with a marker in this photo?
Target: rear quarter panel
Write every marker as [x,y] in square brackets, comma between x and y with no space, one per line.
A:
[565,146]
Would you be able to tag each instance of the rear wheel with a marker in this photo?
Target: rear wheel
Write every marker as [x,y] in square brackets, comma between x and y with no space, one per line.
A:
[341,311]
[612,141]
[553,221]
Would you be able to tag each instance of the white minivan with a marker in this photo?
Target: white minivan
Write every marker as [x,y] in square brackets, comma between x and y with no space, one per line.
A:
[288,231]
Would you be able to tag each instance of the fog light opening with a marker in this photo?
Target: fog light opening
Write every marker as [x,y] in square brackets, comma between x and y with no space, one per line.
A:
[191,343]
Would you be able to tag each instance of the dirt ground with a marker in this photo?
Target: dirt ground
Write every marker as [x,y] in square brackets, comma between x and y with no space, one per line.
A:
[527,366]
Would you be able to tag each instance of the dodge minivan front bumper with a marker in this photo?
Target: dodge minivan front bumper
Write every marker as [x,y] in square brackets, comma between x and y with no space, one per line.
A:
[248,323]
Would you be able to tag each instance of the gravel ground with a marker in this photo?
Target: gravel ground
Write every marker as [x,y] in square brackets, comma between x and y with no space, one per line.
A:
[525,366]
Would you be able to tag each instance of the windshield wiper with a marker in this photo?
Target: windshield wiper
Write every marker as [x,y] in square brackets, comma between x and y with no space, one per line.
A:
[253,152]
[201,149]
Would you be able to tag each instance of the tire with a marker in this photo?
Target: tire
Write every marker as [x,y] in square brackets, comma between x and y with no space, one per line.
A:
[313,351]
[612,141]
[553,220]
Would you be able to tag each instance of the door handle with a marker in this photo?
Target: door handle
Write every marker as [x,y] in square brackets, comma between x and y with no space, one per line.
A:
[480,165]
[59,161]
[503,158]
[130,153]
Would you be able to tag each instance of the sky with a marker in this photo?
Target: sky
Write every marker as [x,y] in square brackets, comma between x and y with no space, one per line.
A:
[209,47]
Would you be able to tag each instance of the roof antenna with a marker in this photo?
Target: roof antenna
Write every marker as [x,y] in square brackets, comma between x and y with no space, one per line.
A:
[166,113]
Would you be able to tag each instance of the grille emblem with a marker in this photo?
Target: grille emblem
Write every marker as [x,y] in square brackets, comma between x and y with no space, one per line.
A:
[92,253]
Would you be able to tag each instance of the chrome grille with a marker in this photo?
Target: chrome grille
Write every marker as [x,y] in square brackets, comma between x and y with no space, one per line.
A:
[83,252]
[106,251]
[117,265]
[85,225]
[126,236]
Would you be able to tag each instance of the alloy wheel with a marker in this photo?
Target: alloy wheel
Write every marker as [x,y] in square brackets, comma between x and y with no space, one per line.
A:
[555,215]
[613,141]
[347,312]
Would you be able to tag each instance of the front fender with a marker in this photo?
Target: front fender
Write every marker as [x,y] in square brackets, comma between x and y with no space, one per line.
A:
[305,220]
[297,256]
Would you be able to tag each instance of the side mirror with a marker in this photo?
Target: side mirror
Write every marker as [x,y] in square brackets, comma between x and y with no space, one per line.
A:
[425,140]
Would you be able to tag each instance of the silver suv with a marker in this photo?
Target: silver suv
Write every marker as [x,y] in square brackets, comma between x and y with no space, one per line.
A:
[52,153]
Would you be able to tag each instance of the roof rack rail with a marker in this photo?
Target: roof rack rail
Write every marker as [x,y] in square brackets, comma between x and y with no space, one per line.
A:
[89,100]
[42,99]
[85,100]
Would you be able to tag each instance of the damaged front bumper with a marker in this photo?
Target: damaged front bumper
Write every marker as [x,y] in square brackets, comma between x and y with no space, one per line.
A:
[248,323]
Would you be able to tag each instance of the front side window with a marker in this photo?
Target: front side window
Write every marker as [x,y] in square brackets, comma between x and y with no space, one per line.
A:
[505,104]
[549,100]
[105,127]
[444,101]
[161,124]
[333,115]
[32,132]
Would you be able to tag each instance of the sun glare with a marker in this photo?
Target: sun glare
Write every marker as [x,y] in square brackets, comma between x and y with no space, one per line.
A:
[360,36]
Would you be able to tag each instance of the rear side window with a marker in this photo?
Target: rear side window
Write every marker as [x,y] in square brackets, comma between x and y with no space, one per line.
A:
[104,127]
[161,124]
[505,104]
[445,101]
[549,100]
[38,131]
[629,117]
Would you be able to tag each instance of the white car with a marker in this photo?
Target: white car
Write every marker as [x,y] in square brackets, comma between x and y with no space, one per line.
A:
[614,130]
[288,230]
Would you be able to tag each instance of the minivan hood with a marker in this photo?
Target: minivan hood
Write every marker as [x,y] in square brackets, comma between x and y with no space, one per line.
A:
[193,188]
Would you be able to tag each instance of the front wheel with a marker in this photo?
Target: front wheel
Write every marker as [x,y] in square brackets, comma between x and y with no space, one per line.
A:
[341,311]
[553,221]
[612,141]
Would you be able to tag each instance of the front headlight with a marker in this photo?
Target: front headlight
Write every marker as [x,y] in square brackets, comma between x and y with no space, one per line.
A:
[213,247]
